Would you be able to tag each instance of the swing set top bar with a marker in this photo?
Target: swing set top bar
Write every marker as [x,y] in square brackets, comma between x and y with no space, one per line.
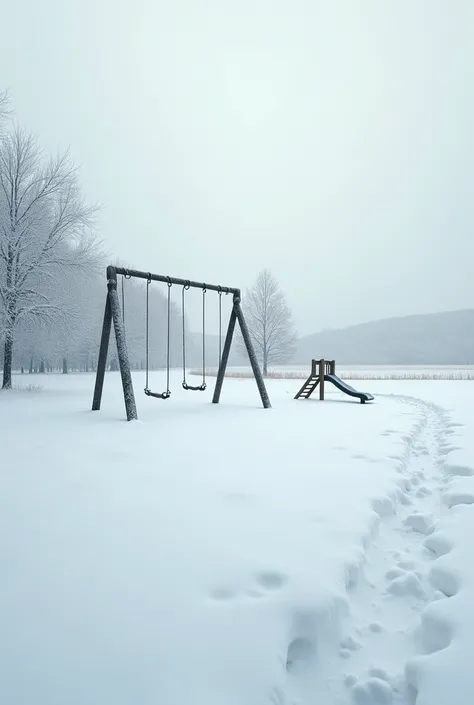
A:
[149,276]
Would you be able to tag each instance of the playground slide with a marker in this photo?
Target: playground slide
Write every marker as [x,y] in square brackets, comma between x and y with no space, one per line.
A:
[347,389]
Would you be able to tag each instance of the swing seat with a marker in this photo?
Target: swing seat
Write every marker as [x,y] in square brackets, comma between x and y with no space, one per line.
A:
[189,388]
[164,395]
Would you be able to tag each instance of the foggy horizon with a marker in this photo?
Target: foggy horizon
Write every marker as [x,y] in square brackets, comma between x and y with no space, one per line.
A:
[329,144]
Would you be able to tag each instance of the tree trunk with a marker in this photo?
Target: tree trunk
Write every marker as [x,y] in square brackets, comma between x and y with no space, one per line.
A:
[30,371]
[7,361]
[265,355]
[64,366]
[41,369]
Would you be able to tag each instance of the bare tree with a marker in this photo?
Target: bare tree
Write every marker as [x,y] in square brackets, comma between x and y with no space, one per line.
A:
[45,232]
[4,108]
[269,321]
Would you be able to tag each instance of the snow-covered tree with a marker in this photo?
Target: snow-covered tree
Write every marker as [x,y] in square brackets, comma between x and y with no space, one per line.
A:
[269,321]
[45,234]
[4,108]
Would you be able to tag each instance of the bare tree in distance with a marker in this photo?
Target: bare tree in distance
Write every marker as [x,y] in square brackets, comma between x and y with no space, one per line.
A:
[5,111]
[269,321]
[46,231]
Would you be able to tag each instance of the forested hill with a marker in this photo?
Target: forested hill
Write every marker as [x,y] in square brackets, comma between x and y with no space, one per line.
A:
[440,338]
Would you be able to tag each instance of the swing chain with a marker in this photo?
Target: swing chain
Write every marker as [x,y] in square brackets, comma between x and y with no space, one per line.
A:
[204,292]
[185,288]
[168,392]
[123,303]
[126,275]
[147,390]
[220,324]
[202,387]
[148,282]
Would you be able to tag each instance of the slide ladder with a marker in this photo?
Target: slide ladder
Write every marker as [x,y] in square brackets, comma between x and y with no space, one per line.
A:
[308,388]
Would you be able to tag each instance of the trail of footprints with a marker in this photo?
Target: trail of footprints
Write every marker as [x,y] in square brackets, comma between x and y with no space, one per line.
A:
[389,591]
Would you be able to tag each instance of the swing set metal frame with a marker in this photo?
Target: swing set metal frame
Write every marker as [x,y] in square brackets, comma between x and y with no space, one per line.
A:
[113,313]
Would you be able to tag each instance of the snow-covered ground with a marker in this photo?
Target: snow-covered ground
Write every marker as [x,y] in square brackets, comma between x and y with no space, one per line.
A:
[314,553]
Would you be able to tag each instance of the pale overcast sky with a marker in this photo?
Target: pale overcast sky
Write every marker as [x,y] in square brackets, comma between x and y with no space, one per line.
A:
[329,141]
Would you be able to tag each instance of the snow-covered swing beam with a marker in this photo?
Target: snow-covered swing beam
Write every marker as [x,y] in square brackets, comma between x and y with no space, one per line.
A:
[113,313]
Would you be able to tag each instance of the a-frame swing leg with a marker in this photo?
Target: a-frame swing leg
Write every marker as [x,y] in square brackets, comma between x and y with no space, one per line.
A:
[113,313]
[252,356]
[102,362]
[124,362]
[237,315]
[225,357]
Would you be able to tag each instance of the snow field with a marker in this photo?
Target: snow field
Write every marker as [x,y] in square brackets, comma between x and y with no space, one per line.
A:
[228,554]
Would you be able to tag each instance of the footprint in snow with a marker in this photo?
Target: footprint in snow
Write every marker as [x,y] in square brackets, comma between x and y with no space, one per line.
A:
[373,691]
[266,581]
[222,594]
[420,523]
[300,652]
[271,580]
[379,673]
[405,585]
[376,627]
[350,644]
[459,470]
[423,492]
[446,450]
[394,573]
[383,506]
[453,498]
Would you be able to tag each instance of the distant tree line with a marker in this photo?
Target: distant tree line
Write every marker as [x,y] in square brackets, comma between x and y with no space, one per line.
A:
[71,343]
[52,270]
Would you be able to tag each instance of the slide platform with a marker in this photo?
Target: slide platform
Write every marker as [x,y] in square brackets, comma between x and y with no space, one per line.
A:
[347,389]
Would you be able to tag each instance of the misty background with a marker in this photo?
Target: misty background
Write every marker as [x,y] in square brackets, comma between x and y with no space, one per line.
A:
[330,142]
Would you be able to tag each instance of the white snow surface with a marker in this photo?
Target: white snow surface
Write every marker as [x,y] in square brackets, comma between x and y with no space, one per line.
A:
[231,555]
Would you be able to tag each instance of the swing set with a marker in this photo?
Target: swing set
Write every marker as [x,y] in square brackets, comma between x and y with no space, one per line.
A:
[116,313]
